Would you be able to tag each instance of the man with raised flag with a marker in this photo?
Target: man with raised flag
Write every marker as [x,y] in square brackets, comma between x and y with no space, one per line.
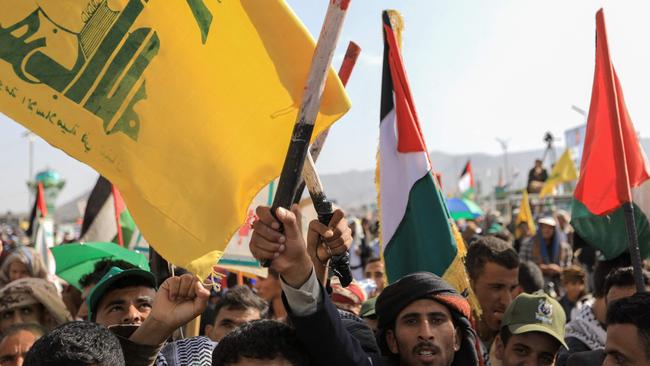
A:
[614,174]
[563,171]
[466,182]
[422,319]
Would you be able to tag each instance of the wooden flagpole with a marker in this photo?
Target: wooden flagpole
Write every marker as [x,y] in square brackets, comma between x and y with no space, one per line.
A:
[302,131]
[349,61]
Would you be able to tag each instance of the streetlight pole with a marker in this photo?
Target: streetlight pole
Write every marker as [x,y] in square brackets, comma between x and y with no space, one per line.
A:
[579,111]
[504,147]
[31,138]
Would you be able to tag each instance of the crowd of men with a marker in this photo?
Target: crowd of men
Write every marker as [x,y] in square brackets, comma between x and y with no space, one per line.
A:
[540,304]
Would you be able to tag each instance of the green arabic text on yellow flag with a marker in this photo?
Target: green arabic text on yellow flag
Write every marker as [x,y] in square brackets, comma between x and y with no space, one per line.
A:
[186,106]
[564,171]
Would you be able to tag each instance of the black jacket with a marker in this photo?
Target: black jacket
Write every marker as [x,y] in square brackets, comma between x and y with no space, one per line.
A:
[329,343]
[327,340]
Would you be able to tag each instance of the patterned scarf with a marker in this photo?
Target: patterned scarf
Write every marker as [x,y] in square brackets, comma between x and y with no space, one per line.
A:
[195,351]
[587,329]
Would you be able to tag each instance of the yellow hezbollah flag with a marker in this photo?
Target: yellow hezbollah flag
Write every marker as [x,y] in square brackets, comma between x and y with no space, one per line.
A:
[564,171]
[186,106]
[525,215]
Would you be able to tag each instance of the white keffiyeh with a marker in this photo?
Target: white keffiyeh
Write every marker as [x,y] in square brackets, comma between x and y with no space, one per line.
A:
[586,328]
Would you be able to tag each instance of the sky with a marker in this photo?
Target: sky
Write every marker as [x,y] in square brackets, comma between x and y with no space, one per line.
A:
[478,70]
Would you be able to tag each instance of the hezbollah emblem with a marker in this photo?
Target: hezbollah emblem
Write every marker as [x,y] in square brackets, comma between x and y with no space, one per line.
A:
[104,75]
[544,312]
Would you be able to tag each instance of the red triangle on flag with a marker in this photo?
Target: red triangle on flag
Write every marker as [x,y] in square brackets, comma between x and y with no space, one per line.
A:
[409,133]
[119,207]
[40,199]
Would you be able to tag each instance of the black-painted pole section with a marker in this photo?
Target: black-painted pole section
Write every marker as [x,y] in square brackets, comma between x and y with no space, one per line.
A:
[633,244]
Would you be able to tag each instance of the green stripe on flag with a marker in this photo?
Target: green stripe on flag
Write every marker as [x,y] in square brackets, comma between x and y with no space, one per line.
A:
[608,233]
[423,240]
[128,227]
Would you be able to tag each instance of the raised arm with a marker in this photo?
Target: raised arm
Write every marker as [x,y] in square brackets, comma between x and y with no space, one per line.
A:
[314,316]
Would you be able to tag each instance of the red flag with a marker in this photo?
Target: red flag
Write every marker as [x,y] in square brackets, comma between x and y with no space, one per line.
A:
[612,160]
[40,200]
[119,207]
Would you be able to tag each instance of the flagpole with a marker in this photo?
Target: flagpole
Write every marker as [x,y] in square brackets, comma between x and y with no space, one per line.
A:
[350,59]
[628,207]
[339,264]
[302,131]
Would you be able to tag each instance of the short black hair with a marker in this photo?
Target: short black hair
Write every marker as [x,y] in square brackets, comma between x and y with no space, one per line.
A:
[76,344]
[489,249]
[624,277]
[36,329]
[241,298]
[531,278]
[260,340]
[273,273]
[505,335]
[633,310]
[373,260]
[603,268]
[101,269]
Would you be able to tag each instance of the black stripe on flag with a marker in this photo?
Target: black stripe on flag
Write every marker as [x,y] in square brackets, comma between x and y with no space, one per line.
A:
[387,103]
[100,193]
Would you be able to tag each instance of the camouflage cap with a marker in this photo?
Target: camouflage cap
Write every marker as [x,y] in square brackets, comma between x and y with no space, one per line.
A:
[535,312]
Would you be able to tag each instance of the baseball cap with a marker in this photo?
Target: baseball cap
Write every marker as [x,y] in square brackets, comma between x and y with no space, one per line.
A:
[112,276]
[368,308]
[346,298]
[536,312]
[547,220]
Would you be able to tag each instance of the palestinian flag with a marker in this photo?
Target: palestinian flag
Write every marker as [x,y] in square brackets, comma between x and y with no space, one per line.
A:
[106,217]
[41,229]
[466,182]
[417,232]
[39,210]
[614,169]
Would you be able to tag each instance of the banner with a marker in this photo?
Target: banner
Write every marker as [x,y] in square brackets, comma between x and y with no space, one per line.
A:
[186,106]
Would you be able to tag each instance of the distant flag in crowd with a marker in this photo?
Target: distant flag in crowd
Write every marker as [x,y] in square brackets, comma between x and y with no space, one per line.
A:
[106,217]
[186,106]
[123,219]
[417,232]
[564,171]
[525,215]
[44,241]
[41,229]
[39,210]
[466,182]
[614,166]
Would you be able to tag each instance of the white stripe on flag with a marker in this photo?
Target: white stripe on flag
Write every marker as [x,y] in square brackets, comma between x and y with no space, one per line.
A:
[103,227]
[398,174]
[465,183]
